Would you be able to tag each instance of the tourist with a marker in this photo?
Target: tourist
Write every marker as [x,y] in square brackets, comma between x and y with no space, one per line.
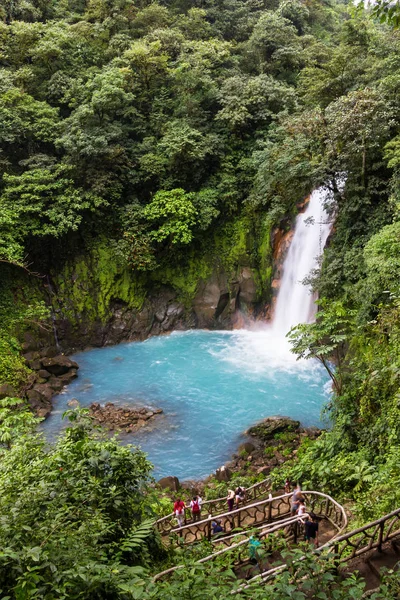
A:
[240,494]
[254,549]
[297,490]
[287,486]
[295,501]
[179,511]
[301,511]
[216,527]
[195,507]
[230,499]
[311,530]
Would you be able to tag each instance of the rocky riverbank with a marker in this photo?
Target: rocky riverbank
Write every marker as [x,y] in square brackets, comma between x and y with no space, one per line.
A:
[270,443]
[122,418]
[50,373]
[274,440]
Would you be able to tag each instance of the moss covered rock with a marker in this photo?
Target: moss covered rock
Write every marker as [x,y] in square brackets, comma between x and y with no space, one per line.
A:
[98,300]
[267,428]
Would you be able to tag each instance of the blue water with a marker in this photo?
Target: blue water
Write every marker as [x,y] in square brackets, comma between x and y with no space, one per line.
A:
[211,386]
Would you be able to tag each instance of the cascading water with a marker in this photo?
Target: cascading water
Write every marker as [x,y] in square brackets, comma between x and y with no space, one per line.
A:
[265,346]
[212,385]
[295,302]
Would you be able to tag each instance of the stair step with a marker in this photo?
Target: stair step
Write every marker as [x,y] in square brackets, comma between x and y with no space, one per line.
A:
[387,558]
[364,571]
[396,547]
[374,568]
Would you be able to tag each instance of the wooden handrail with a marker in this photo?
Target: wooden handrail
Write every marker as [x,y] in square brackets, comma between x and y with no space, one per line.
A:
[351,534]
[339,544]
[271,527]
[264,511]
[371,536]
[164,524]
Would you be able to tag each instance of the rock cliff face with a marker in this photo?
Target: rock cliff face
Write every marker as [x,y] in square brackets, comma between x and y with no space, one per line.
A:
[215,303]
[97,301]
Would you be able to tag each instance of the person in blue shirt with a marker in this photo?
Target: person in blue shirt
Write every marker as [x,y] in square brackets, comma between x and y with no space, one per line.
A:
[216,527]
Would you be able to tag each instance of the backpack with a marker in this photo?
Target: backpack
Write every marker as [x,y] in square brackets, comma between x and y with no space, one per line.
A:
[195,506]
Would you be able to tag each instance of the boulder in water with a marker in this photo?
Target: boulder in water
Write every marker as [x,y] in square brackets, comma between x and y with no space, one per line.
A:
[56,384]
[73,403]
[59,365]
[246,448]
[52,373]
[170,483]
[223,474]
[39,398]
[267,428]
[125,418]
[42,392]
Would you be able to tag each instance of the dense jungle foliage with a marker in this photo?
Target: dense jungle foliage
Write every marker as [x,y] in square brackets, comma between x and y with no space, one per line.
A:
[150,124]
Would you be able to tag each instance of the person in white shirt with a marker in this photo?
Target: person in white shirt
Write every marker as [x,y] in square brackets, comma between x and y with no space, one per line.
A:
[195,507]
[302,510]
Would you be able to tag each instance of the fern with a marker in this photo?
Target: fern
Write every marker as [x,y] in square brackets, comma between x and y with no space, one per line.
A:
[136,540]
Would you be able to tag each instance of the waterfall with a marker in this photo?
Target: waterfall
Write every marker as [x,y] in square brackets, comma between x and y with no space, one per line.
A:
[295,301]
[263,347]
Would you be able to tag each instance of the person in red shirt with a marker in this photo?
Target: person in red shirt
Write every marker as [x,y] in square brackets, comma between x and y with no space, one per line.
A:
[179,510]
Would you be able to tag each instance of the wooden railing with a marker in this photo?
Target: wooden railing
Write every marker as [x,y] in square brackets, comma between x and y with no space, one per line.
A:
[242,545]
[370,537]
[352,544]
[344,547]
[265,511]
[213,507]
[321,504]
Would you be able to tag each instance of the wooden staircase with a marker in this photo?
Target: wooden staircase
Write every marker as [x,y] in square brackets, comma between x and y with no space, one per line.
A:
[268,517]
[215,507]
[371,567]
[250,516]
[367,550]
